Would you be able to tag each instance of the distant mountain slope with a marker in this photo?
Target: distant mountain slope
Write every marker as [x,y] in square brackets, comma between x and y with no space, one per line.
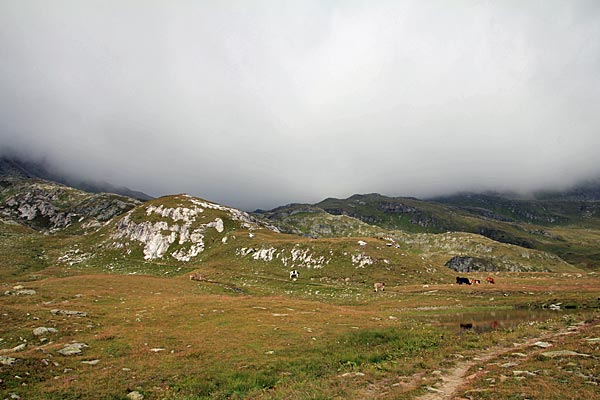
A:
[565,228]
[539,212]
[178,234]
[312,221]
[583,191]
[175,233]
[49,206]
[18,167]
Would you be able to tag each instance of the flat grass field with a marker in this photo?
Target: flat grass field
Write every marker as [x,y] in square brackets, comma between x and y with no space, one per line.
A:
[173,338]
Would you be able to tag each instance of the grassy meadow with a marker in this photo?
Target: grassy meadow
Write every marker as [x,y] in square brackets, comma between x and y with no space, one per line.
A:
[172,338]
[140,328]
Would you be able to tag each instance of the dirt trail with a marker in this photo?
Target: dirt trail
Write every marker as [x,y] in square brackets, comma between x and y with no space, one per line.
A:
[456,377]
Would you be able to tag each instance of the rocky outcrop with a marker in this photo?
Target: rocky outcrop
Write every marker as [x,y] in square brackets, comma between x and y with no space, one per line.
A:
[50,207]
[157,237]
[289,258]
[361,260]
[177,231]
[470,264]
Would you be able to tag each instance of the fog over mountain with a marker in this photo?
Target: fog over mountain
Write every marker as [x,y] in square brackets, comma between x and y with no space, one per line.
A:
[257,104]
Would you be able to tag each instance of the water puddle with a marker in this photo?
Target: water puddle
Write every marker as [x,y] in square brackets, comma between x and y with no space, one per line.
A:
[487,320]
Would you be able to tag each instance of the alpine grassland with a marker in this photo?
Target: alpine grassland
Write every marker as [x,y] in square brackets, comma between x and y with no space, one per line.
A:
[106,309]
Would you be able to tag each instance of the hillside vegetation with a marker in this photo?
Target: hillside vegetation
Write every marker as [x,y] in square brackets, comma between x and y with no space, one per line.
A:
[97,301]
[569,229]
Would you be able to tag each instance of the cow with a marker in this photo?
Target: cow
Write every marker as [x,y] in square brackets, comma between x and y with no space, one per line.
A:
[294,275]
[461,280]
[475,281]
[197,277]
[379,286]
[489,279]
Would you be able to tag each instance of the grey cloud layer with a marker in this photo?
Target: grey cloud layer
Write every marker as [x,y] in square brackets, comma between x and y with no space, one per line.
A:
[255,104]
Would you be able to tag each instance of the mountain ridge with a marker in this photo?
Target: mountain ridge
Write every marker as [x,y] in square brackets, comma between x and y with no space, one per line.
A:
[547,225]
[11,165]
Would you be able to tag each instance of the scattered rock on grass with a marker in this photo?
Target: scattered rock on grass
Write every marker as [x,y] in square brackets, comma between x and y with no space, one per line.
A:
[351,374]
[56,311]
[4,360]
[521,373]
[72,349]
[135,395]
[22,292]
[563,353]
[543,345]
[157,349]
[509,365]
[20,347]
[91,362]
[42,330]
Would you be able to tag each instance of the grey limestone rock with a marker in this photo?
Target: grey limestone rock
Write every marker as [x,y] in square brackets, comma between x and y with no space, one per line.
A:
[72,349]
[56,311]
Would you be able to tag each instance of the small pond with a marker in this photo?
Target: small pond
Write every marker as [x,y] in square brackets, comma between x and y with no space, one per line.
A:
[486,320]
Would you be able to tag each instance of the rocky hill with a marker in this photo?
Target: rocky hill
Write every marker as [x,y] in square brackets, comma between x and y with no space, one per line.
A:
[50,207]
[174,235]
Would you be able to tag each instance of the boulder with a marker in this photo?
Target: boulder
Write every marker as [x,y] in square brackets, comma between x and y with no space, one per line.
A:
[4,360]
[68,313]
[135,395]
[42,330]
[564,353]
[72,349]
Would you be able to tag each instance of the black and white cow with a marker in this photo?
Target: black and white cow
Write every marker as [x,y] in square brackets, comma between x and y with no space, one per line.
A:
[294,275]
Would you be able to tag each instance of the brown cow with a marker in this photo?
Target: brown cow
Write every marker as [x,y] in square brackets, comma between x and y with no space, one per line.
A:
[475,281]
[379,286]
[491,280]
[197,277]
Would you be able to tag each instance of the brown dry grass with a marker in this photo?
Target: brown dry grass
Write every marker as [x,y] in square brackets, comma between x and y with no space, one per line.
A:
[236,346]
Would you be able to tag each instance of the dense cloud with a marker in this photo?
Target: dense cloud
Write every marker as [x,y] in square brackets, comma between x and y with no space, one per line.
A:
[256,104]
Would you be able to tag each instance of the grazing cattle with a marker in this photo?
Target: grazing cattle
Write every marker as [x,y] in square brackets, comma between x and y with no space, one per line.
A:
[197,277]
[294,274]
[491,280]
[379,286]
[466,326]
[460,280]
[475,281]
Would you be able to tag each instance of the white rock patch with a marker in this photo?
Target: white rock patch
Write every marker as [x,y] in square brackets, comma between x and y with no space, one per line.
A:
[361,260]
[157,237]
[293,258]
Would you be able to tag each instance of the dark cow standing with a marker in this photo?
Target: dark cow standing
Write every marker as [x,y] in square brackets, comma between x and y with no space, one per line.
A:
[460,280]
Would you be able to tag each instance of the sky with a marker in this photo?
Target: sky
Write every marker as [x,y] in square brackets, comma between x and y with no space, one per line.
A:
[257,104]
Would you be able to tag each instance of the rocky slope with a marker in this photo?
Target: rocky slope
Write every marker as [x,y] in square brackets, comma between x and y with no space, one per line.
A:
[177,227]
[49,206]
[177,233]
[565,228]
[312,221]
